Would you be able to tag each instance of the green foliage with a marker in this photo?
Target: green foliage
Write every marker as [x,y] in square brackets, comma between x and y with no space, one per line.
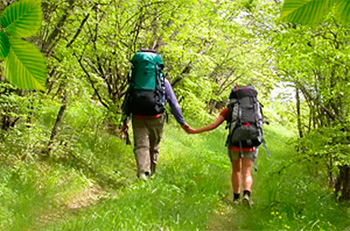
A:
[193,179]
[320,73]
[325,143]
[90,148]
[202,45]
[342,12]
[311,12]
[187,187]
[290,191]
[207,47]
[305,11]
[35,192]
[32,68]
[24,64]
[22,19]
[193,95]
[4,45]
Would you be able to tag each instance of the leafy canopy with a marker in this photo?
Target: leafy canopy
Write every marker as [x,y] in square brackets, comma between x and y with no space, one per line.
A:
[25,66]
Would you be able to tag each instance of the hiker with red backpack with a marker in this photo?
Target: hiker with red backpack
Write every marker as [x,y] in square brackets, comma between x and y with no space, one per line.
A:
[144,103]
[244,121]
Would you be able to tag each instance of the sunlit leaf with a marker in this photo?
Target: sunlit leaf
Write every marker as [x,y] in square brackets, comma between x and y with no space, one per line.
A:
[25,65]
[4,45]
[22,19]
[305,11]
[343,11]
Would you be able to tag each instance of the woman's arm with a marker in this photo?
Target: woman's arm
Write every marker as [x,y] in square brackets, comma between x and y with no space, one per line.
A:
[209,127]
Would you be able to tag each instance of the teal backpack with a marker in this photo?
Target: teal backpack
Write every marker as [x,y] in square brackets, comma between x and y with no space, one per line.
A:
[146,93]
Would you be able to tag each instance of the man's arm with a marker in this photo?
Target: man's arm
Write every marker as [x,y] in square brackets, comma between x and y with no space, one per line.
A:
[174,104]
[175,107]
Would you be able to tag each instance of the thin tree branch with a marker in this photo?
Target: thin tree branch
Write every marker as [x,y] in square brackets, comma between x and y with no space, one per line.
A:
[316,102]
[49,42]
[78,31]
[91,82]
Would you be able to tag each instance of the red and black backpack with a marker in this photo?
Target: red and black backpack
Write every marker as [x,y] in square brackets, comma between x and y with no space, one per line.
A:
[244,118]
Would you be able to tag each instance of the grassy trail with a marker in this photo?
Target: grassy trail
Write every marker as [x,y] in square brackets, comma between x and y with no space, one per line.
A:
[188,185]
[191,191]
[227,216]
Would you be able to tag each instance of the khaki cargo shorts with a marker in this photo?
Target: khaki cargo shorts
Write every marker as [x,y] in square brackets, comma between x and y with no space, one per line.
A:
[234,155]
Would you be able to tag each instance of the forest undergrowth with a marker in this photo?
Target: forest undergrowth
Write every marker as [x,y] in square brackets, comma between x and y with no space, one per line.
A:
[90,184]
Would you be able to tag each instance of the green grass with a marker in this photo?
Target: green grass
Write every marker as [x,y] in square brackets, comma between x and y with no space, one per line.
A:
[191,190]
[291,194]
[30,190]
[187,187]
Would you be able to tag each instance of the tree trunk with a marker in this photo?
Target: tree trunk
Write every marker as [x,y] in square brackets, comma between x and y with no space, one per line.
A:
[297,97]
[342,186]
[331,178]
[5,123]
[57,123]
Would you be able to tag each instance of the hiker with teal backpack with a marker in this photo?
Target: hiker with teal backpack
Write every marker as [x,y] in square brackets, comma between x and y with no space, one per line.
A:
[144,103]
[244,121]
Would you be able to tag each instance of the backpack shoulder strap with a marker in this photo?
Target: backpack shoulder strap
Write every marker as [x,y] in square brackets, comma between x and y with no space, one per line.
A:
[267,150]
[230,107]
[231,122]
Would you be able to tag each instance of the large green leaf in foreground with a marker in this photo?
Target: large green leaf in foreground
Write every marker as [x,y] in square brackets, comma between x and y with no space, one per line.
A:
[306,11]
[25,65]
[4,45]
[343,11]
[22,19]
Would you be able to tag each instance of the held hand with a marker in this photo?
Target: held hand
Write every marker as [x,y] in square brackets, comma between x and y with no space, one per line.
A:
[185,127]
[191,131]
[125,128]
[188,129]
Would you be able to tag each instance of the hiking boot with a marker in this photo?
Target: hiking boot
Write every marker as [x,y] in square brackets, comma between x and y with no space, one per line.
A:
[246,201]
[236,202]
[143,176]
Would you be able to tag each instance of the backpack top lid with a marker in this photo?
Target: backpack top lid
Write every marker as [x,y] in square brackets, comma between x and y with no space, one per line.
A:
[147,56]
[239,92]
[147,67]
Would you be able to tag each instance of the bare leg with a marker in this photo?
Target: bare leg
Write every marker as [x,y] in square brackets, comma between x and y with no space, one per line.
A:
[246,171]
[236,175]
